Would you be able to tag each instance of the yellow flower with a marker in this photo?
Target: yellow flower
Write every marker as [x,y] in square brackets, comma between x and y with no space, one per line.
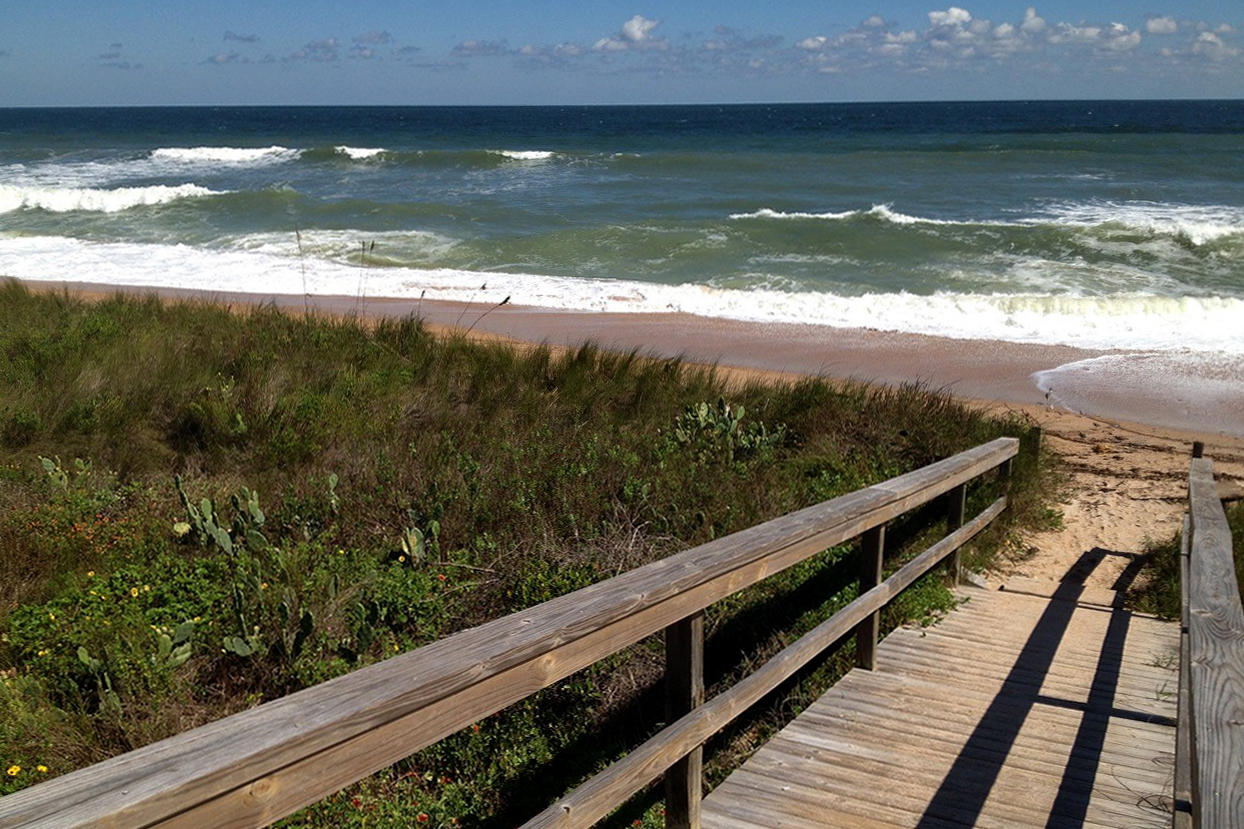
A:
[146,588]
[263,585]
[14,771]
[401,559]
[41,653]
[42,769]
[197,619]
[52,616]
[134,592]
[90,574]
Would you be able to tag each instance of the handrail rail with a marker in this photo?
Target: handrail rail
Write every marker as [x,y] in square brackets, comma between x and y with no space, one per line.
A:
[1210,742]
[254,767]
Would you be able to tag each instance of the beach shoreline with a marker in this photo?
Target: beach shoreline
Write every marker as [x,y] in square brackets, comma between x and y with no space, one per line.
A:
[1026,377]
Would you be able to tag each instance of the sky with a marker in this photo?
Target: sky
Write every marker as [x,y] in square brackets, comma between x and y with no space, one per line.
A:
[176,52]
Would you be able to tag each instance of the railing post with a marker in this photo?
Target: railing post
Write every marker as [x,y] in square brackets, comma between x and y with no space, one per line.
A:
[956,502]
[872,551]
[684,690]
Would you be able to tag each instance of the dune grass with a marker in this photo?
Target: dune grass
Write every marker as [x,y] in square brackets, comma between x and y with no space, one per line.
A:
[1158,590]
[378,487]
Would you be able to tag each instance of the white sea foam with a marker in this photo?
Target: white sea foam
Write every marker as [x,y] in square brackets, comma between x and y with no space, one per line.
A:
[1196,223]
[1119,320]
[405,246]
[360,153]
[1190,391]
[525,155]
[225,155]
[769,213]
[66,199]
[882,212]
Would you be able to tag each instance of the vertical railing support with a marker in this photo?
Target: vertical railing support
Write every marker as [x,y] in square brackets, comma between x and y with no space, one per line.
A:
[872,551]
[956,502]
[684,690]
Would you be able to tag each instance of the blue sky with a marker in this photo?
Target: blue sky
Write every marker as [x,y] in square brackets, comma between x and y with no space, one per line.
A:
[107,52]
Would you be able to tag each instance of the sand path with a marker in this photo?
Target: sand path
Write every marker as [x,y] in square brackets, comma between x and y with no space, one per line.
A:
[1126,485]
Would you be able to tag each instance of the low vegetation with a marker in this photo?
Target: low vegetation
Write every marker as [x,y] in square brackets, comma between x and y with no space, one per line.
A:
[202,509]
[1159,591]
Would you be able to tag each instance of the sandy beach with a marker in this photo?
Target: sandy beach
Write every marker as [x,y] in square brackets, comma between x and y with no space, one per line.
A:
[1126,457]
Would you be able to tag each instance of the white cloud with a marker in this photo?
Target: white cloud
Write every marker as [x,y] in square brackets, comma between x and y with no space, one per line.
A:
[813,44]
[636,33]
[953,16]
[1213,47]
[1161,26]
[874,22]
[1004,30]
[1066,33]
[1032,22]
[908,36]
[609,44]
[638,28]
[1118,38]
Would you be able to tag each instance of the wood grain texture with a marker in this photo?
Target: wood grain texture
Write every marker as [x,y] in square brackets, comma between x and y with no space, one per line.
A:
[872,557]
[1183,729]
[597,797]
[256,766]
[924,712]
[1216,657]
[684,692]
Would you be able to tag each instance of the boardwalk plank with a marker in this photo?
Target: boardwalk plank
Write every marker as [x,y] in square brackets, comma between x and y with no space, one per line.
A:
[955,728]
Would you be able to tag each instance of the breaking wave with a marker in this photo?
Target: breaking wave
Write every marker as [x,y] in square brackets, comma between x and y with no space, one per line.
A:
[64,200]
[1117,320]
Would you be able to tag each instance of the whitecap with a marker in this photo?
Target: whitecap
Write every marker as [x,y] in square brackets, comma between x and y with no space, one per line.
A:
[224,155]
[360,153]
[1199,224]
[66,199]
[525,155]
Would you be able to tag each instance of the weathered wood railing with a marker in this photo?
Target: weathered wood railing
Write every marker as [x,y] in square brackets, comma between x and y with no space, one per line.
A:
[257,766]
[1209,751]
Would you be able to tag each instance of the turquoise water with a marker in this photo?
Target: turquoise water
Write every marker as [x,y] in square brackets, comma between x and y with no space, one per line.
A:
[1102,224]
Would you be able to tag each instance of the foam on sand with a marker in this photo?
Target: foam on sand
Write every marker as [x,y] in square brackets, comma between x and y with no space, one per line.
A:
[1201,392]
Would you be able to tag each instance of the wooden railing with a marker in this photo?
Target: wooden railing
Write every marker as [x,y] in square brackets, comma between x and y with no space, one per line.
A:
[252,768]
[1209,751]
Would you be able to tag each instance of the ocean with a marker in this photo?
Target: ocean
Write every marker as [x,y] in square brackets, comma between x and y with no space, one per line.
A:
[1101,224]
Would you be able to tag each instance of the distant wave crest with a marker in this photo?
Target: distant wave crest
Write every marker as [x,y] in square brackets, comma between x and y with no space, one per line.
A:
[525,155]
[878,212]
[360,153]
[225,155]
[65,200]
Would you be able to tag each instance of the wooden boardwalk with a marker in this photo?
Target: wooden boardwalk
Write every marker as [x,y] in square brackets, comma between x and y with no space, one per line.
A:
[1015,710]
